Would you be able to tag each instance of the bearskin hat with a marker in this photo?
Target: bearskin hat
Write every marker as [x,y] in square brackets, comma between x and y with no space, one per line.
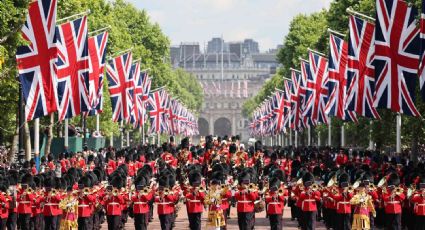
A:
[393,180]
[195,178]
[308,179]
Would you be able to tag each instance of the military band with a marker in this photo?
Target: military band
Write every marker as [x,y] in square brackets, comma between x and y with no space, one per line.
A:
[356,190]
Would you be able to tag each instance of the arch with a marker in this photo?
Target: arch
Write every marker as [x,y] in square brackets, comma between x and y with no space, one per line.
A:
[204,127]
[222,127]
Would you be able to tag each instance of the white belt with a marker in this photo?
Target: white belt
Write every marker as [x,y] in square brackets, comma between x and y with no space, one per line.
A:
[113,203]
[420,204]
[83,205]
[393,202]
[51,204]
[194,201]
[164,203]
[274,203]
[24,202]
[244,201]
[343,202]
[309,200]
[140,202]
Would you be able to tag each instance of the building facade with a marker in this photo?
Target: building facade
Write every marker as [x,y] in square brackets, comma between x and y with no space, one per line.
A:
[228,79]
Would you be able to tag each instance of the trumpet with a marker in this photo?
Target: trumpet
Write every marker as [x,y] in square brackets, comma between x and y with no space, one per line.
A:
[349,189]
[315,187]
[398,190]
[115,192]
[371,187]
[29,190]
[146,190]
[281,192]
[86,191]
[252,187]
[53,192]
[202,189]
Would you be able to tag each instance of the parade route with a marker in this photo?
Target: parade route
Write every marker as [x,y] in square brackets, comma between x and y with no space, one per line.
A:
[261,222]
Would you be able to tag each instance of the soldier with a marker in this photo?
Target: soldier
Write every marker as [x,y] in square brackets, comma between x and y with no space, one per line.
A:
[194,197]
[165,199]
[113,201]
[140,201]
[342,197]
[393,197]
[85,202]
[275,203]
[26,196]
[13,207]
[4,201]
[245,199]
[418,200]
[308,199]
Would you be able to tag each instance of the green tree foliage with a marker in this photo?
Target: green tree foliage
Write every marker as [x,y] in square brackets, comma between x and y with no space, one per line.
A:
[130,28]
[310,31]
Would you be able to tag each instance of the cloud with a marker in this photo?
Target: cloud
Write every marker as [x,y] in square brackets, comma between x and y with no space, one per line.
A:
[266,21]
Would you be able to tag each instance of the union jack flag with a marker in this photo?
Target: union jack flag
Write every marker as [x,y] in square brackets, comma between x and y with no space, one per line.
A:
[72,68]
[278,103]
[337,80]
[297,95]
[360,71]
[306,121]
[316,90]
[422,60]
[97,58]
[36,60]
[142,86]
[287,97]
[120,83]
[172,116]
[158,105]
[396,56]
[136,110]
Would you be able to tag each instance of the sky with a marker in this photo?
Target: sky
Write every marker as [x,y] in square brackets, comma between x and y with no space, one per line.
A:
[266,21]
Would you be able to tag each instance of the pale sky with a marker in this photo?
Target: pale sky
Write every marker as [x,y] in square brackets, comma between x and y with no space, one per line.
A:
[266,21]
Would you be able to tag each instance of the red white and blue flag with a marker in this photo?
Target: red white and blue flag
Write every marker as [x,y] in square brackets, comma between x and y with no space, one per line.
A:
[360,71]
[97,58]
[287,96]
[158,105]
[297,95]
[338,52]
[278,112]
[396,56]
[142,84]
[36,60]
[72,66]
[421,72]
[120,83]
[136,110]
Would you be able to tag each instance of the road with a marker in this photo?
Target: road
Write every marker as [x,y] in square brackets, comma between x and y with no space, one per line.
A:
[182,222]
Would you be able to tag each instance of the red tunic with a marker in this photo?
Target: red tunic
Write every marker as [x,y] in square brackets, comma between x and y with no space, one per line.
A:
[194,201]
[245,200]
[275,203]
[141,202]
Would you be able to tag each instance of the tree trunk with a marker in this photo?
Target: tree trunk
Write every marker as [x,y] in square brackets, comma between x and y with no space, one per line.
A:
[49,135]
[27,141]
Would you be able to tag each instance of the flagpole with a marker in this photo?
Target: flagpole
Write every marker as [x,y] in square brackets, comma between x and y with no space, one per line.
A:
[318,139]
[65,131]
[355,13]
[331,31]
[118,53]
[128,138]
[309,135]
[37,140]
[73,16]
[296,139]
[398,133]
[97,123]
[370,135]
[330,133]
[111,141]
[343,135]
[159,139]
[317,52]
[100,30]
[122,134]
[290,137]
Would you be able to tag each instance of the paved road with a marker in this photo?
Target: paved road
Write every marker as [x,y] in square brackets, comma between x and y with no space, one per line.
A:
[182,223]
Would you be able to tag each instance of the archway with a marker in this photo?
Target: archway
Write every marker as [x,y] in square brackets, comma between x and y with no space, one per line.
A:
[222,127]
[204,127]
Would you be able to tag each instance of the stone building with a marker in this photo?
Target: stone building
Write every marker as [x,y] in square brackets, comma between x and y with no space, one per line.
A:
[228,80]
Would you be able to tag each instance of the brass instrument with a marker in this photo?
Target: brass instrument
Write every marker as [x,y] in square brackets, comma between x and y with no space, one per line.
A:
[281,192]
[349,189]
[315,187]
[202,189]
[398,190]
[252,187]
[166,191]
[411,190]
[146,190]
[382,182]
[29,190]
[115,192]
[86,191]
[53,192]
[371,187]
[332,181]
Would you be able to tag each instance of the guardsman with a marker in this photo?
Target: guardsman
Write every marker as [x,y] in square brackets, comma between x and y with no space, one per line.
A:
[13,205]
[4,203]
[245,198]
[140,200]
[418,200]
[194,197]
[342,197]
[165,200]
[393,198]
[167,156]
[37,217]
[275,203]
[26,197]
[113,201]
[111,164]
[85,203]
[341,158]
[308,199]
[51,210]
